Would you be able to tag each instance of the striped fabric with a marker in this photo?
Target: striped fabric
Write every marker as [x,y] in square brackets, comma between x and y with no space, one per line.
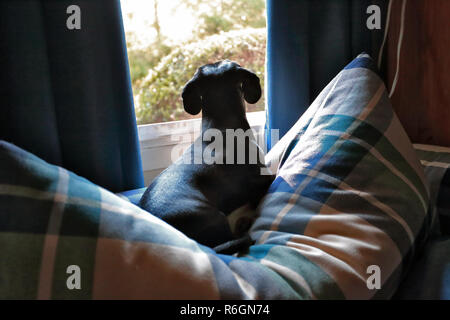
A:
[349,195]
[436,162]
[350,192]
[429,277]
[132,195]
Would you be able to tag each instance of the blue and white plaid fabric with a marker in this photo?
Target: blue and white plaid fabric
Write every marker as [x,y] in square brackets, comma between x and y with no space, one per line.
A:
[436,163]
[429,277]
[132,195]
[349,195]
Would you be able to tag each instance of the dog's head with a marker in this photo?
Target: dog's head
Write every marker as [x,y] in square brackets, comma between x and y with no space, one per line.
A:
[220,88]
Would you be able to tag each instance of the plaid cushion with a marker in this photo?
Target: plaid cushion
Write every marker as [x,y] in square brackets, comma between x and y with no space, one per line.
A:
[429,279]
[52,219]
[132,195]
[436,162]
[350,192]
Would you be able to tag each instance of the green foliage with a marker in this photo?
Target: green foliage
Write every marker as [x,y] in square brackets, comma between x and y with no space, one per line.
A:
[226,29]
[141,60]
[158,96]
[213,24]
[226,15]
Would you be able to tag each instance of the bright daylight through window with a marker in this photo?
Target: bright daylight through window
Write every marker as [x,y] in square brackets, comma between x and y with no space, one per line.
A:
[168,40]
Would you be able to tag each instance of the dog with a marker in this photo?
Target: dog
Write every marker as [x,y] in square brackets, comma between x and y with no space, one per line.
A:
[204,199]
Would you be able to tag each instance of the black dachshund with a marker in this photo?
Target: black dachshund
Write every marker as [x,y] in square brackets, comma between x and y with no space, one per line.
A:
[196,195]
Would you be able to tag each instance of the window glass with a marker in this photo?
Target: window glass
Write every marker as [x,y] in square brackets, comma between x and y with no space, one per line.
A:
[168,40]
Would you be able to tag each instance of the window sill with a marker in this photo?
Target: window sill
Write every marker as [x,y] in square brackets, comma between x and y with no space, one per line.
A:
[158,139]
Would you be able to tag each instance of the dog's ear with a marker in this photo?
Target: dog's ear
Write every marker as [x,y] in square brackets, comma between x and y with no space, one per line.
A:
[192,100]
[250,86]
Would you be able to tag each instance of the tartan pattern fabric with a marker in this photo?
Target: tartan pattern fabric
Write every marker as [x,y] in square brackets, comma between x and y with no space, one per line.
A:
[132,195]
[429,277]
[350,193]
[436,163]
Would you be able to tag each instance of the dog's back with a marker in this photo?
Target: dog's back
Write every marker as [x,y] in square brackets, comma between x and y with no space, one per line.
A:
[197,196]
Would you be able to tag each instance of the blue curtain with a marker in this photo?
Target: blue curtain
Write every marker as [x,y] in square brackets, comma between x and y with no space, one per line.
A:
[308,43]
[66,94]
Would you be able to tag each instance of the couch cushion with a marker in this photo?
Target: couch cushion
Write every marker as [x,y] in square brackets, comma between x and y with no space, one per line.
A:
[349,194]
[436,163]
[132,195]
[55,225]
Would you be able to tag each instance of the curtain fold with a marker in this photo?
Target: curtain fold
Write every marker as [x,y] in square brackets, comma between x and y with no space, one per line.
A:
[66,94]
[308,42]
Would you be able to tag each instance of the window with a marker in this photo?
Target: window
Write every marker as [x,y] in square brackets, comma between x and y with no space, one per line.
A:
[168,40]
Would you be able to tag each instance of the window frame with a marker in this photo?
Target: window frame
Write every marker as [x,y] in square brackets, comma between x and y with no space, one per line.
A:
[157,140]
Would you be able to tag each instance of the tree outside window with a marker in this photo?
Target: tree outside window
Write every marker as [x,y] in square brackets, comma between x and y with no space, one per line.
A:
[168,40]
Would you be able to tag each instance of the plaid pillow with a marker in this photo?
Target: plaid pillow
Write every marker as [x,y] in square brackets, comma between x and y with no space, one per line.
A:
[63,237]
[132,195]
[331,212]
[436,162]
[430,276]
[350,194]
